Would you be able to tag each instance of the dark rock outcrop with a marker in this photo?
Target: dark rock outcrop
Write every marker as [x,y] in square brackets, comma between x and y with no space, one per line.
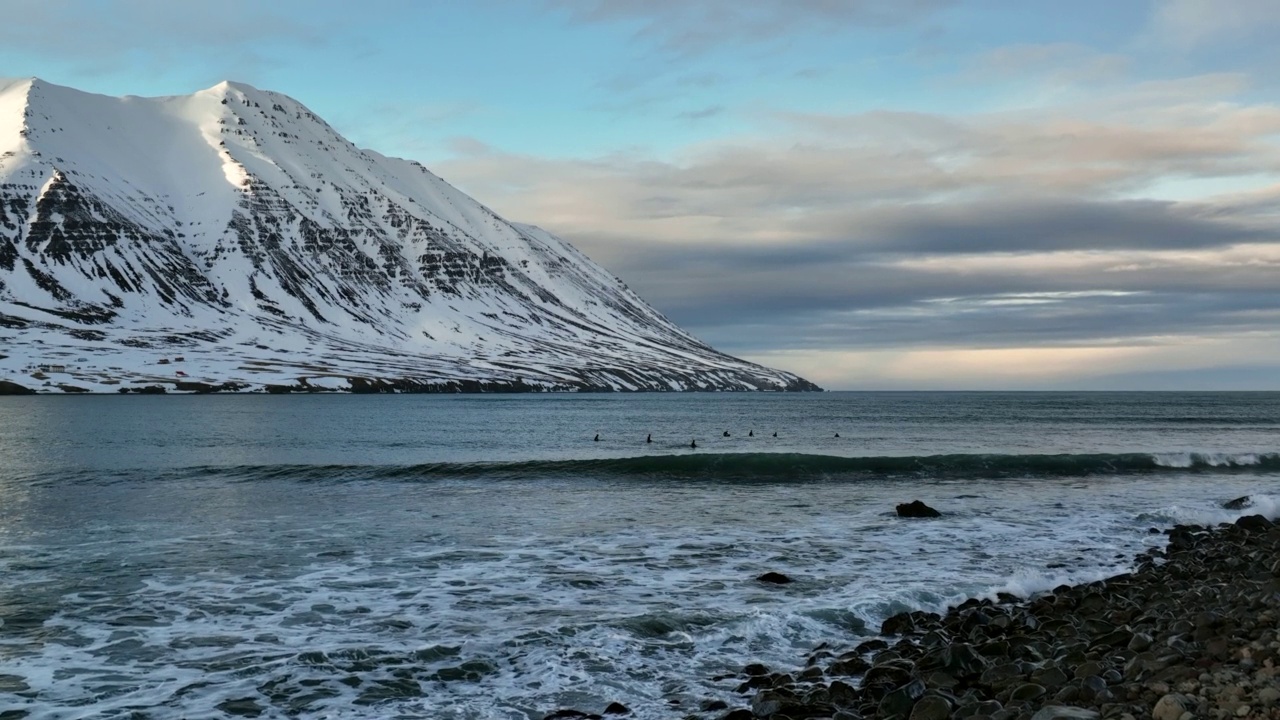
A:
[12,388]
[774,578]
[917,509]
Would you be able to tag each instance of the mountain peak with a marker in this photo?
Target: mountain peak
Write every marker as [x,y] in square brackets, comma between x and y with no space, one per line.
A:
[237,230]
[227,86]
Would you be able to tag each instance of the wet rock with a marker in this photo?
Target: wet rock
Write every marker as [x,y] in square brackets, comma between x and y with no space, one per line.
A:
[1051,677]
[917,509]
[1064,712]
[899,624]
[1239,503]
[941,680]
[617,708]
[963,662]
[900,702]
[1140,642]
[1000,676]
[931,707]
[1268,696]
[768,703]
[1170,707]
[893,673]
[1254,523]
[1027,692]
[849,666]
[842,694]
[774,578]
[739,714]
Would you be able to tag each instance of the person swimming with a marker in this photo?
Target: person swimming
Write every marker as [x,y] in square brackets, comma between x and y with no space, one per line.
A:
[597,437]
[649,439]
[775,433]
[694,444]
[726,433]
[751,433]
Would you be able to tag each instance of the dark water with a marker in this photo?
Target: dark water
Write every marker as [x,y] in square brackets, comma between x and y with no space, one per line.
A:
[484,557]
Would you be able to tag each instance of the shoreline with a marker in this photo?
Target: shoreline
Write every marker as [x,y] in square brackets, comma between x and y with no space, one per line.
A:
[1190,633]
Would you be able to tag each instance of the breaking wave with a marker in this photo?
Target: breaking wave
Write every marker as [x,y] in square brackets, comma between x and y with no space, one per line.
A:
[749,467]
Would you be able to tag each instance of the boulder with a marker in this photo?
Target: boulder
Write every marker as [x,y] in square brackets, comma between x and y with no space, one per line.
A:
[900,702]
[774,578]
[768,703]
[1170,707]
[1239,503]
[917,509]
[899,624]
[1254,523]
[931,707]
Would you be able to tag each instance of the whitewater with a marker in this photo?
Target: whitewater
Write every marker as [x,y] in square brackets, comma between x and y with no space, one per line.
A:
[487,557]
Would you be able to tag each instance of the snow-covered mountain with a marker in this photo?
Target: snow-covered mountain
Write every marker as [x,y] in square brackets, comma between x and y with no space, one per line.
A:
[231,239]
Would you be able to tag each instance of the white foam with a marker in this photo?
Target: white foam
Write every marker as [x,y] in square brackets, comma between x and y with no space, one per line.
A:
[1211,459]
[572,594]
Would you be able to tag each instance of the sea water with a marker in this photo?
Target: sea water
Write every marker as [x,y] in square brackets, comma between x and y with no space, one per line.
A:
[487,557]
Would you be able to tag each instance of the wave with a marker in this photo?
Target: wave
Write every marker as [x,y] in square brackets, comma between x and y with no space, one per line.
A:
[774,467]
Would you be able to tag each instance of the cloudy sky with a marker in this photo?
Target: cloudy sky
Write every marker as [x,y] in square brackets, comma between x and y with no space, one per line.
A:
[872,193]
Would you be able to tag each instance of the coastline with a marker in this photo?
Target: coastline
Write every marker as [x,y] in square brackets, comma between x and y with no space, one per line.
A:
[377,386]
[1191,632]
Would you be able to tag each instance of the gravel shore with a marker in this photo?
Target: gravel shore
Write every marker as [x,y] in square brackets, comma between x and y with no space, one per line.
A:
[1190,633]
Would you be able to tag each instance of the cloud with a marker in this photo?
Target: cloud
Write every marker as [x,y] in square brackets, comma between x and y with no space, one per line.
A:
[149,35]
[803,177]
[921,237]
[1049,62]
[1189,23]
[1200,364]
[692,26]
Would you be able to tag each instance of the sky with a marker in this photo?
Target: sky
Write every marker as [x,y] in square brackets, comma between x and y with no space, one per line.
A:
[875,194]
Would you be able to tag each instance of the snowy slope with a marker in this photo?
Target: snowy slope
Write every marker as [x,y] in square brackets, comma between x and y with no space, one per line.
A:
[235,229]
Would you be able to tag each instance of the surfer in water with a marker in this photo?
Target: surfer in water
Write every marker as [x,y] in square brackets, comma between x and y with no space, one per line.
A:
[649,439]
[694,444]
[726,433]
[597,437]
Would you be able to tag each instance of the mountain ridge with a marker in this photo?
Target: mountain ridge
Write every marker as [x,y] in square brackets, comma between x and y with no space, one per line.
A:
[236,229]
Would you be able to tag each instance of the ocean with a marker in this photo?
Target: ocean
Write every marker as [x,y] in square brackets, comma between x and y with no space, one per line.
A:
[485,556]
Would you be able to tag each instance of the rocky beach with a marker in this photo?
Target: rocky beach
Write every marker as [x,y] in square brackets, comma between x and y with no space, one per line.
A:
[1190,633]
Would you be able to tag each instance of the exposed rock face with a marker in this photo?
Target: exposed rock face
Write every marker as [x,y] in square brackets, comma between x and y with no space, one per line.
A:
[236,229]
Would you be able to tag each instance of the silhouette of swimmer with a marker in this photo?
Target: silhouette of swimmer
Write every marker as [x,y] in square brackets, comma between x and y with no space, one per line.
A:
[751,433]
[649,439]
[597,437]
[837,434]
[694,444]
[726,433]
[775,433]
